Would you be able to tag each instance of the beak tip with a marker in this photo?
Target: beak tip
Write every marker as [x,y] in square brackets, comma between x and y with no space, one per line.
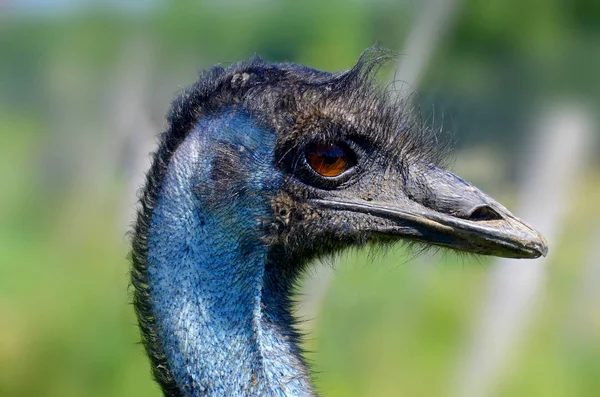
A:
[541,245]
[544,249]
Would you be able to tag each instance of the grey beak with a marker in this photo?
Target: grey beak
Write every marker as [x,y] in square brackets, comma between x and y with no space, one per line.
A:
[445,210]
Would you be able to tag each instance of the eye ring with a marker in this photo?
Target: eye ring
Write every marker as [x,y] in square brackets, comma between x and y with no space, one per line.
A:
[329,160]
[329,165]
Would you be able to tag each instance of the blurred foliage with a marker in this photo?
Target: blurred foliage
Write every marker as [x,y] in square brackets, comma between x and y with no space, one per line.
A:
[387,328]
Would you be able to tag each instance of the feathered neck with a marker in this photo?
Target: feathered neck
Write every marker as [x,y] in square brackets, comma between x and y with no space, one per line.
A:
[212,301]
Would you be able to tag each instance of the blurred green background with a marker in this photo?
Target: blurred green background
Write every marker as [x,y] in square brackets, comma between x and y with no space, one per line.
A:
[84,86]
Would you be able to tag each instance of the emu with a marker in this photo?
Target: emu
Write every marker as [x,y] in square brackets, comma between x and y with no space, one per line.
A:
[263,168]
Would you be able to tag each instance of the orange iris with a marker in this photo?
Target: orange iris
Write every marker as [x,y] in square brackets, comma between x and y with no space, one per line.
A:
[326,159]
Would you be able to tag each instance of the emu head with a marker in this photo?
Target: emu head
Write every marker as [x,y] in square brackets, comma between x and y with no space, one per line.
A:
[354,164]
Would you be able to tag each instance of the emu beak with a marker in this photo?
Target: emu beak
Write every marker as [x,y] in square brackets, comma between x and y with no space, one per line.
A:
[440,208]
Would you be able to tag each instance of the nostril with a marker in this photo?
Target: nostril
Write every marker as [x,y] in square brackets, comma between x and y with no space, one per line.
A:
[484,213]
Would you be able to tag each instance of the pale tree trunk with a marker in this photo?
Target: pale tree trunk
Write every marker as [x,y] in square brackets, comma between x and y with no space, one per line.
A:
[555,159]
[433,23]
[133,130]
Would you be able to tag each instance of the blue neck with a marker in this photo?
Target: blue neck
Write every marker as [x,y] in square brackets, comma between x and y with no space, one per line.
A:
[220,307]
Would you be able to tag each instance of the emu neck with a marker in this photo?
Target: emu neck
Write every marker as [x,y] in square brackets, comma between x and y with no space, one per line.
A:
[221,311]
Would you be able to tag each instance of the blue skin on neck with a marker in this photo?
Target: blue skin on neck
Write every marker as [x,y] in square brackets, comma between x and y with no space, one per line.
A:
[210,293]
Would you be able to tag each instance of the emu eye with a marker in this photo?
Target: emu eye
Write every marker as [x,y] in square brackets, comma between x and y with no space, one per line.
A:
[328,160]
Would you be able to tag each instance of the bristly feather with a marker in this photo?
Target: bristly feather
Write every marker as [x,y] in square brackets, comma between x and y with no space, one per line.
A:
[301,101]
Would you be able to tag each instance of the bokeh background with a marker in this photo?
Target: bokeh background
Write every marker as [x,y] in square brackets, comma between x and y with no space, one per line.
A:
[84,86]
